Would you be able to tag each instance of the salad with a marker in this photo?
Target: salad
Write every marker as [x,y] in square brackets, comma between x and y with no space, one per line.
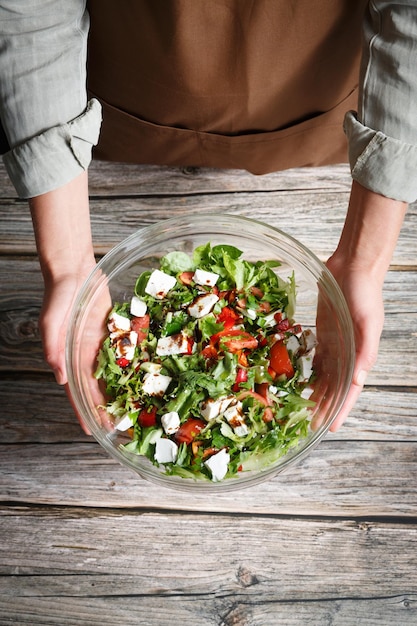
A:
[205,369]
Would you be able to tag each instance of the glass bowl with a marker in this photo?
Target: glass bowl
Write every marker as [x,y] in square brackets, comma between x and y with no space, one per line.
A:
[320,306]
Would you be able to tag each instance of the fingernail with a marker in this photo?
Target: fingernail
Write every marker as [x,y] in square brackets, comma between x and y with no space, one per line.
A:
[361,378]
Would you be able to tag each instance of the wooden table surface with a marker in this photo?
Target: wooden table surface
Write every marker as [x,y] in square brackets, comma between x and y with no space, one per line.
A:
[84,541]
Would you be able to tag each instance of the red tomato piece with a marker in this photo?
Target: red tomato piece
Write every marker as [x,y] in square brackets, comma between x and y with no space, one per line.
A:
[257,292]
[244,341]
[262,389]
[227,317]
[122,362]
[147,417]
[141,326]
[241,377]
[268,415]
[189,430]
[283,325]
[209,352]
[242,359]
[280,360]
[186,278]
[234,340]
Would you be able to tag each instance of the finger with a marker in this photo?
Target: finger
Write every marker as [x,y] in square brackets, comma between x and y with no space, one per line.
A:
[366,355]
[53,341]
[79,416]
[351,398]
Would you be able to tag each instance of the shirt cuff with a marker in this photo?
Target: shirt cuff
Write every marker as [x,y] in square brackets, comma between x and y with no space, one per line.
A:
[56,156]
[380,163]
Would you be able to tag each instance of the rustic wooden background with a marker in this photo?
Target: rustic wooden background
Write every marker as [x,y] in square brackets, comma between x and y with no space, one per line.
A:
[84,541]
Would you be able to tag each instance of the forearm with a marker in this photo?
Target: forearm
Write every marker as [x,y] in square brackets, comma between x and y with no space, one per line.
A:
[63,238]
[359,264]
[61,222]
[371,230]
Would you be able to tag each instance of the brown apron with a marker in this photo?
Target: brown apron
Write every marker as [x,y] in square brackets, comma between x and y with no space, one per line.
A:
[261,85]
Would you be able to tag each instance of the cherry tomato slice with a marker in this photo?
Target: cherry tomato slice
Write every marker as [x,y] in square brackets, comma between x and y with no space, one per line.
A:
[147,417]
[280,360]
[189,430]
[141,326]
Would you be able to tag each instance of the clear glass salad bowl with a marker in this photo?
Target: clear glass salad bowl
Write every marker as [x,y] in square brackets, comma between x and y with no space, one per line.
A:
[320,306]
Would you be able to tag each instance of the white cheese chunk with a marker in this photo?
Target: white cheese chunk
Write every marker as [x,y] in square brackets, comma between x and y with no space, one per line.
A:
[174,344]
[155,384]
[218,464]
[202,277]
[307,393]
[166,451]
[202,305]
[125,345]
[293,345]
[308,340]
[210,408]
[305,366]
[124,423]
[118,322]
[250,313]
[234,416]
[159,284]
[138,306]
[170,422]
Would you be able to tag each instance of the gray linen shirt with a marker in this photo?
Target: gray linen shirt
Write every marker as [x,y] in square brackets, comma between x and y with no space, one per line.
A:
[50,134]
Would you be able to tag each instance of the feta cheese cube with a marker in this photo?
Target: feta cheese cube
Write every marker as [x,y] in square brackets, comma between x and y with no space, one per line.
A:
[305,366]
[159,284]
[118,322]
[170,422]
[210,408]
[308,340]
[124,423]
[174,344]
[202,277]
[156,384]
[202,305]
[218,464]
[138,306]
[307,393]
[125,344]
[234,416]
[166,451]
[293,345]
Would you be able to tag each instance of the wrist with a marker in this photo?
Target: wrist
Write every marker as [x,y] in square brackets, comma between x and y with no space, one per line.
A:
[370,233]
[61,222]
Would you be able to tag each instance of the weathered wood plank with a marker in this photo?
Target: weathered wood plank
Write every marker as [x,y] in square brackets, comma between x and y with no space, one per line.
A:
[110,178]
[106,179]
[43,414]
[339,478]
[264,559]
[314,218]
[29,605]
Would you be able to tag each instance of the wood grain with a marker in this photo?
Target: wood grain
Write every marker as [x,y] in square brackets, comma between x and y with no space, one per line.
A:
[137,573]
[87,542]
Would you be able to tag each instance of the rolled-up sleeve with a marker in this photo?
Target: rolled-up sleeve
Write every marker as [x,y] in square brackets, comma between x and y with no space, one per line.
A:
[49,126]
[382,136]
